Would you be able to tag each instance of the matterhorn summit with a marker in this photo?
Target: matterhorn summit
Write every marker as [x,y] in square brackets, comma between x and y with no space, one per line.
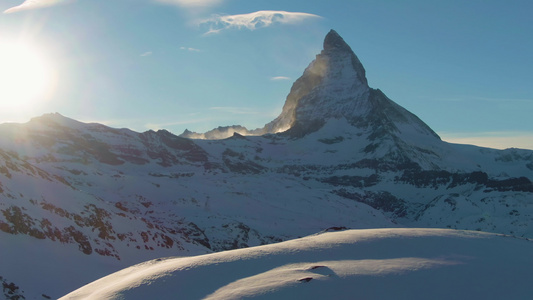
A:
[334,88]
[333,85]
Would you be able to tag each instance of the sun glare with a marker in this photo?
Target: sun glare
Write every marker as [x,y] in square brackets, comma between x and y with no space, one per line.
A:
[26,79]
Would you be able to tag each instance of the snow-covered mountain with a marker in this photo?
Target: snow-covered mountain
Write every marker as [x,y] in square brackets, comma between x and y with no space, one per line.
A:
[354,264]
[80,201]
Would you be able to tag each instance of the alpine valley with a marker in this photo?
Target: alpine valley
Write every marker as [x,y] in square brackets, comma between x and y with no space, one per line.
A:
[80,201]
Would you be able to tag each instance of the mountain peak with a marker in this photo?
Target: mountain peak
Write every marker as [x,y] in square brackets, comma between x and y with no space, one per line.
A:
[334,80]
[334,86]
[334,41]
[54,120]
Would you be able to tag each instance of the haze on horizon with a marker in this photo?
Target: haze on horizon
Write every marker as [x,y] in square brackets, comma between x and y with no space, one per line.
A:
[463,68]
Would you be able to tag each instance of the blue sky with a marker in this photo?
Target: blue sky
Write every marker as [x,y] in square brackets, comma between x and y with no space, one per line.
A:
[464,67]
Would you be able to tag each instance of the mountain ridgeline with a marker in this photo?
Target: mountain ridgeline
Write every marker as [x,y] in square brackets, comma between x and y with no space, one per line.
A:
[340,155]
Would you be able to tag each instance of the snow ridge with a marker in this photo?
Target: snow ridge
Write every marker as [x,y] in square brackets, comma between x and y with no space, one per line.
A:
[410,263]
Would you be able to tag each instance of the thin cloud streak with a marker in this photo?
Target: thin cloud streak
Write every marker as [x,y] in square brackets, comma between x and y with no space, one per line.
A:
[235,110]
[148,53]
[35,4]
[278,78]
[496,140]
[190,3]
[484,99]
[190,49]
[255,20]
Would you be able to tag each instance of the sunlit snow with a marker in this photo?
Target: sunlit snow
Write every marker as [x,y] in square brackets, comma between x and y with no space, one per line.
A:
[355,264]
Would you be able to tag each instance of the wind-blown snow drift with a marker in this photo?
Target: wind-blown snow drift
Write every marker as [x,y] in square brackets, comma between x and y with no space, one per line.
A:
[354,264]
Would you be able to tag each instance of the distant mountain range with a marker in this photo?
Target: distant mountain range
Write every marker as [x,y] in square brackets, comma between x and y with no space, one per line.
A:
[80,201]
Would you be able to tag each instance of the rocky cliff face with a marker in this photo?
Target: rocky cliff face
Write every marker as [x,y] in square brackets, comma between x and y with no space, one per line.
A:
[333,86]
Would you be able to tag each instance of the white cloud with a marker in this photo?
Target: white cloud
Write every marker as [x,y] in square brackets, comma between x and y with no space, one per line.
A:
[190,49]
[34,4]
[190,3]
[255,20]
[148,53]
[277,78]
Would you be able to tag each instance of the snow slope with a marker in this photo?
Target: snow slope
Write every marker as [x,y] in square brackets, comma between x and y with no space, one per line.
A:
[353,264]
[99,199]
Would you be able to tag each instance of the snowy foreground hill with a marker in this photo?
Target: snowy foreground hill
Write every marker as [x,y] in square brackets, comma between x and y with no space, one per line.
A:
[79,201]
[353,264]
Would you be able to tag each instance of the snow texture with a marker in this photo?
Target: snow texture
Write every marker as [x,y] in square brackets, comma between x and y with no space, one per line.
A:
[354,264]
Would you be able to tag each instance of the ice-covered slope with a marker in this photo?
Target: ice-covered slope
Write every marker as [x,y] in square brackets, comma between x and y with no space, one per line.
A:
[355,264]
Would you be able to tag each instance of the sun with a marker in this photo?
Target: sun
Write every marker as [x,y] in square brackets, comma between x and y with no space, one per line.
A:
[26,77]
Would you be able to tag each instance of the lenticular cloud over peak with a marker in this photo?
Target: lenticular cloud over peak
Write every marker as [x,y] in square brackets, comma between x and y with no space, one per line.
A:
[255,20]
